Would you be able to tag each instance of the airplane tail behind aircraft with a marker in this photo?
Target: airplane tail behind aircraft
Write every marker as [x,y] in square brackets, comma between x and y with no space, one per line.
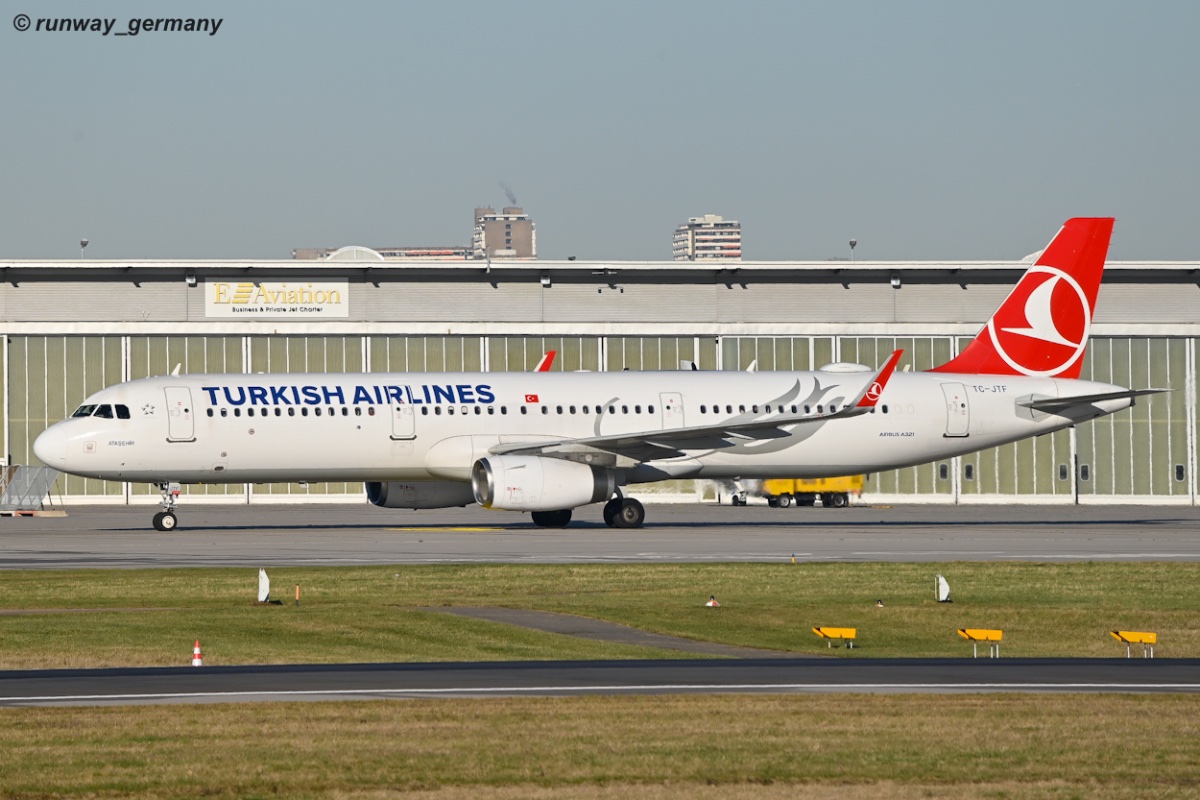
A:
[1041,328]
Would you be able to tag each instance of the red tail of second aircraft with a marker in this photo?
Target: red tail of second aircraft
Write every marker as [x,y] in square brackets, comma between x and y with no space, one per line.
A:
[1041,328]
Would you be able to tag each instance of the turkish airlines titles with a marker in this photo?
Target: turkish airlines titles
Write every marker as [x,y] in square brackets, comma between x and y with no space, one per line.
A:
[462,393]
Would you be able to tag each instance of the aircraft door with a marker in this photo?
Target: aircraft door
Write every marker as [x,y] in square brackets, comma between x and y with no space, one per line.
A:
[958,412]
[672,409]
[181,425]
[404,421]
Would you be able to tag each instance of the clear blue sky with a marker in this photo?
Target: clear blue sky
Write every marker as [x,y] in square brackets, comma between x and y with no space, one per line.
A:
[926,130]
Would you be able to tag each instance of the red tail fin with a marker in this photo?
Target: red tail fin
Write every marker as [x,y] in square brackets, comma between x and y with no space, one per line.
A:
[1041,328]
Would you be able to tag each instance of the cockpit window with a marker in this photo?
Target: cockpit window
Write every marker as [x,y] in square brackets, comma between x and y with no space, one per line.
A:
[84,411]
[122,412]
[104,412]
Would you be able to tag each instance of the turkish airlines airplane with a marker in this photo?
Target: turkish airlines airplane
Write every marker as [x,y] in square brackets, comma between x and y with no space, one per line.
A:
[548,443]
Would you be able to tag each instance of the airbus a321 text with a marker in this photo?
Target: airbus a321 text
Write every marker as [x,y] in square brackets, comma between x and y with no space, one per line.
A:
[548,443]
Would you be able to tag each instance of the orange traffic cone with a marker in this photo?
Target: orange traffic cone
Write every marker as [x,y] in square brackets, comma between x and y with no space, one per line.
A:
[197,658]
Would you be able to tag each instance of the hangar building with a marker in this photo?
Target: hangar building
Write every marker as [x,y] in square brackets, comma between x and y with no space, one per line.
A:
[71,328]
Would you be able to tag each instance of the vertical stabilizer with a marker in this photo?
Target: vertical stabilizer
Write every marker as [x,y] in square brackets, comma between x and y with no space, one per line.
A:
[1041,328]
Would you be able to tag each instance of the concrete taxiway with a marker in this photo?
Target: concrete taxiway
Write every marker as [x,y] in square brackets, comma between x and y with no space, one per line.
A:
[361,534]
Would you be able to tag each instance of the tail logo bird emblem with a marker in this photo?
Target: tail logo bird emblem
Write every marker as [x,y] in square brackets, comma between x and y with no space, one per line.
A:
[1042,328]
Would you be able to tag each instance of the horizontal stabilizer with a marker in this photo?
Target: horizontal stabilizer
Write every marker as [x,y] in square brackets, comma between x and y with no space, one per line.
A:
[1059,403]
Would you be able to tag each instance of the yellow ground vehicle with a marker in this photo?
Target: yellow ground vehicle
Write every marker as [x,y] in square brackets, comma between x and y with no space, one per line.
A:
[782,492]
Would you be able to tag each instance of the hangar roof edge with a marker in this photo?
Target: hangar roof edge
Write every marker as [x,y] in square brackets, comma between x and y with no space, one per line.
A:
[583,267]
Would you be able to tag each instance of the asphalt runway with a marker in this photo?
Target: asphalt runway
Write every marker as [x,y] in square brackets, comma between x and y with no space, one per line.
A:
[264,536]
[577,678]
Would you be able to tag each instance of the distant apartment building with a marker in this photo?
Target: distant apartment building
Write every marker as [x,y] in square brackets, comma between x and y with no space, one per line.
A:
[707,238]
[509,234]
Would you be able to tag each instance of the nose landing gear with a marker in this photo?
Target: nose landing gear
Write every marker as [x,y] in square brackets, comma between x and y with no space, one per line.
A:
[166,520]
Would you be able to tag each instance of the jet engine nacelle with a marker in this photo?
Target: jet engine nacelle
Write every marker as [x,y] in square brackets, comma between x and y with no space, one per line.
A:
[419,494]
[532,483]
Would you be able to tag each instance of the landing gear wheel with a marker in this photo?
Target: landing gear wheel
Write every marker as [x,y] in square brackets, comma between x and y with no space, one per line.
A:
[611,510]
[552,519]
[631,515]
[165,521]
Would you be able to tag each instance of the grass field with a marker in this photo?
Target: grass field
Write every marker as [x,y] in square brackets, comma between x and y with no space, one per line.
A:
[744,746]
[151,617]
[845,746]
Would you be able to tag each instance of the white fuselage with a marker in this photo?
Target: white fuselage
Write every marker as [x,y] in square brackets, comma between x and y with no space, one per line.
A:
[433,426]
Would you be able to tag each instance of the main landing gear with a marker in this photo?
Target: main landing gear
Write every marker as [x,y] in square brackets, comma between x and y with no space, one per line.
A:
[166,520]
[620,512]
[624,512]
[551,519]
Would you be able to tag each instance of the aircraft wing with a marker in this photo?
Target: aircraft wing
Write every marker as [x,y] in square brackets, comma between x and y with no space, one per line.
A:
[648,445]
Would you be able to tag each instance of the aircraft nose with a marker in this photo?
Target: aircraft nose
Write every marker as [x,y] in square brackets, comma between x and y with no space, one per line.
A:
[51,447]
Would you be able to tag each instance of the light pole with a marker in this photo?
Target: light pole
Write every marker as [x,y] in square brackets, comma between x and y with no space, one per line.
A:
[852,243]
[83,243]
